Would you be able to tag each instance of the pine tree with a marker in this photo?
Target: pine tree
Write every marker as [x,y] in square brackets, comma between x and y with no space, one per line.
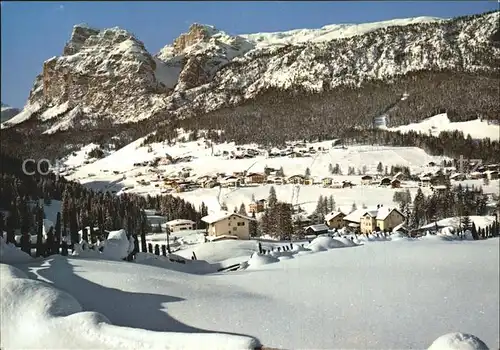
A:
[73,226]
[144,224]
[223,206]
[280,172]
[283,214]
[272,199]
[85,235]
[418,212]
[331,203]
[57,230]
[2,224]
[474,232]
[49,243]
[10,229]
[380,168]
[466,222]
[253,226]
[354,207]
[308,173]
[39,233]
[242,209]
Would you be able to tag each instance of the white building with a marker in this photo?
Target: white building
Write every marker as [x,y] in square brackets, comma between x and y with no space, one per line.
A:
[181,225]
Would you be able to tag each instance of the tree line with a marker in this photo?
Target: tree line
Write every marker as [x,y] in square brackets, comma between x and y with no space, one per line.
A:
[21,194]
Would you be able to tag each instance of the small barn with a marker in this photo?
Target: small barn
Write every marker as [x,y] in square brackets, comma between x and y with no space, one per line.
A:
[395,183]
[366,179]
[318,229]
[386,181]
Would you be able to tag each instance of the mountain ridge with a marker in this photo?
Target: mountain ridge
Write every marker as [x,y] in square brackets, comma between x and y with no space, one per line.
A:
[108,75]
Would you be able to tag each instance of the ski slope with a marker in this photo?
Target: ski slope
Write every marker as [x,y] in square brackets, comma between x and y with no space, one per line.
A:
[477,129]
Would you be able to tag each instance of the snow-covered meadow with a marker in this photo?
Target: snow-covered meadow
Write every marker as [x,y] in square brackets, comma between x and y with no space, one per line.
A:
[399,293]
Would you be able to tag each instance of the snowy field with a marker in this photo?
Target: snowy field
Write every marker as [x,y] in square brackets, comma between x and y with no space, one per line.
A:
[396,294]
[477,128]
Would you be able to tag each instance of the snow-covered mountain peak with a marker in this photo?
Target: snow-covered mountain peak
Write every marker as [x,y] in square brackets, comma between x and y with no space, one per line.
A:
[329,32]
[201,39]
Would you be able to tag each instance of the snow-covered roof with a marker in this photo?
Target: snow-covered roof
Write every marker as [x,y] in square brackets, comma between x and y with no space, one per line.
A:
[179,222]
[356,215]
[372,213]
[333,215]
[383,212]
[318,227]
[215,217]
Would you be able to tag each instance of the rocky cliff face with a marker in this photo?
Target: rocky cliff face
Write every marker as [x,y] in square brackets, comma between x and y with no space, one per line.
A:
[109,75]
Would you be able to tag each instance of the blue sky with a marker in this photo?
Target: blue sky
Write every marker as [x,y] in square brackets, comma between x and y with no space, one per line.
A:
[32,32]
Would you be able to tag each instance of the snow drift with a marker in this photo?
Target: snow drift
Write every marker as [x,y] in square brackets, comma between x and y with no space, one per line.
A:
[10,254]
[458,341]
[37,315]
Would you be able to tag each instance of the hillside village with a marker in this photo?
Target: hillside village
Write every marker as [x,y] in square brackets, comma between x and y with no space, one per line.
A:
[175,175]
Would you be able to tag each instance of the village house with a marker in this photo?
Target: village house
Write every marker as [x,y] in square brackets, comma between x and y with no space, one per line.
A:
[230,225]
[381,219]
[296,179]
[425,181]
[366,179]
[327,181]
[352,220]
[180,225]
[335,220]
[439,179]
[255,178]
[318,229]
[309,181]
[395,183]
[257,206]
[337,184]
[230,181]
[347,184]
[438,188]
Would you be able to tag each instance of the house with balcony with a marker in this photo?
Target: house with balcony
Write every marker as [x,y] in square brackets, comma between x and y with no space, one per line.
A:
[229,225]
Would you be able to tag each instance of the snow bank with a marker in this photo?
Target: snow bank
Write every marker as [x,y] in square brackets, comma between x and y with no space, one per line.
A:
[398,236]
[10,254]
[320,244]
[258,259]
[346,241]
[37,315]
[117,246]
[458,341]
[189,266]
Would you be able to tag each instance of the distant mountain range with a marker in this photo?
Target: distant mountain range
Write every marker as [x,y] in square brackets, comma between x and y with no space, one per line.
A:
[107,77]
[8,112]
